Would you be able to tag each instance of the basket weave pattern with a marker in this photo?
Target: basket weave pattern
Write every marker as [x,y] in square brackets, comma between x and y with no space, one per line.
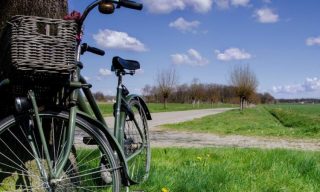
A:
[39,46]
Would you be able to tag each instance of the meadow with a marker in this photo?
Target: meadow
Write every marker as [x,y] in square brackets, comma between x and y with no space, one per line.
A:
[292,121]
[232,169]
[240,169]
[106,108]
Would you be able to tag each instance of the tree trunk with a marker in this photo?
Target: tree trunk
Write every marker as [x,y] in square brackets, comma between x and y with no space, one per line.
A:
[43,8]
[165,103]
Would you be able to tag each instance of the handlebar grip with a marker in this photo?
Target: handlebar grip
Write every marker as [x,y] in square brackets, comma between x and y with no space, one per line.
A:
[131,4]
[95,50]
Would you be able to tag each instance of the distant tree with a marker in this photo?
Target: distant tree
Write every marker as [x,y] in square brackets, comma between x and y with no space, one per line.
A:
[181,93]
[146,92]
[166,80]
[213,93]
[197,91]
[99,96]
[245,82]
[267,98]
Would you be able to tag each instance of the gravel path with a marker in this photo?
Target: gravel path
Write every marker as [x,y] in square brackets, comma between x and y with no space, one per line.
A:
[165,138]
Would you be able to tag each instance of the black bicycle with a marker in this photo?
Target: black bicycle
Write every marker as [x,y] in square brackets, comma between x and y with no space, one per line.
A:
[54,137]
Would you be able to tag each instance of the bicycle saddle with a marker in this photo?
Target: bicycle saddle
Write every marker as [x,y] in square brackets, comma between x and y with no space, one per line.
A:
[120,64]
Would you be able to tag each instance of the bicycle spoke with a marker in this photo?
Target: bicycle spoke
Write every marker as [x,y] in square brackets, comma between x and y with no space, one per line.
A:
[85,158]
[12,153]
[22,144]
[83,170]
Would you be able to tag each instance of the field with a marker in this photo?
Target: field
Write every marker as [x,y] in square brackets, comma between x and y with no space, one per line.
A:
[229,169]
[236,169]
[293,121]
[107,108]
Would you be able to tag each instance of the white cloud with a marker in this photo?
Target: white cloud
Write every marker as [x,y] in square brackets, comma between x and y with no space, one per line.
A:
[225,4]
[309,85]
[266,15]
[118,40]
[222,4]
[238,3]
[104,72]
[167,6]
[232,54]
[87,78]
[182,25]
[313,41]
[192,57]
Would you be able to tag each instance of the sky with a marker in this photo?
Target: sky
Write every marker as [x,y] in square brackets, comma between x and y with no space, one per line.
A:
[205,40]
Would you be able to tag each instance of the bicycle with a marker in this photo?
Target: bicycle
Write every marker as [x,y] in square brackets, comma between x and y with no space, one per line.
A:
[55,138]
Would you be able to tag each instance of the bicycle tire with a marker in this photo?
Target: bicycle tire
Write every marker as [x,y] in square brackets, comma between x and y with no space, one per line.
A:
[139,166]
[84,171]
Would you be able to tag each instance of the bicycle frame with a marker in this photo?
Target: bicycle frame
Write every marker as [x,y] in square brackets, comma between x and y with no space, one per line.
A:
[116,139]
[78,106]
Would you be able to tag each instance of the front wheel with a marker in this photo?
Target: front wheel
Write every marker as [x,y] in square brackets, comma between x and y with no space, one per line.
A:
[24,166]
[137,143]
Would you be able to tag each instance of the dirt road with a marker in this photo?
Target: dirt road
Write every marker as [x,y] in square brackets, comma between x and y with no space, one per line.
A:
[165,138]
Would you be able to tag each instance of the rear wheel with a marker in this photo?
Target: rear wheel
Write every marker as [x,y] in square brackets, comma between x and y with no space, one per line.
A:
[137,143]
[23,166]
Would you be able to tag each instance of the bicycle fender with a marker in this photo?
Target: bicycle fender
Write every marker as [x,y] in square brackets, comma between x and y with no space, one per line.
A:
[113,142]
[142,102]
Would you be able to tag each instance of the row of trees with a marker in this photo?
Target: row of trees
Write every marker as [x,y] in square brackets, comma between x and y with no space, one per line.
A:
[197,92]
[242,89]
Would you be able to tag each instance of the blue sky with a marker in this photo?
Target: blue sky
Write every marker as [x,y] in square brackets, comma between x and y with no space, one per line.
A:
[205,39]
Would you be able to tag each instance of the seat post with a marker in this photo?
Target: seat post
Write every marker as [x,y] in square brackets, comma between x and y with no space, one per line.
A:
[117,122]
[119,74]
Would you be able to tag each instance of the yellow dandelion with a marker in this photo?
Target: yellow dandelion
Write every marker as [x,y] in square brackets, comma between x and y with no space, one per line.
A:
[164,189]
[199,158]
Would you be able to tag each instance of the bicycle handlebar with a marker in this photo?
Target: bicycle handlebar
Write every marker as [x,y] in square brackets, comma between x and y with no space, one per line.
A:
[125,3]
[130,4]
[85,47]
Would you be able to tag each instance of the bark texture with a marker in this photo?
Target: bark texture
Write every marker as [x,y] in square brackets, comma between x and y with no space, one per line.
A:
[43,8]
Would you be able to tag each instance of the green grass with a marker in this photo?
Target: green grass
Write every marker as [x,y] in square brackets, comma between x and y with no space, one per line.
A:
[278,121]
[228,169]
[307,109]
[158,107]
[107,108]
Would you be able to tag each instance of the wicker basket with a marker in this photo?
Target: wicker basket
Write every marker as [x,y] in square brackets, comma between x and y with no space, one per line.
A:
[35,46]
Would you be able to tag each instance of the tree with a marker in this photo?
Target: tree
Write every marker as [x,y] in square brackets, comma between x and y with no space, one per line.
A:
[245,83]
[267,98]
[166,80]
[146,92]
[197,91]
[43,8]
[181,94]
[213,92]
[99,96]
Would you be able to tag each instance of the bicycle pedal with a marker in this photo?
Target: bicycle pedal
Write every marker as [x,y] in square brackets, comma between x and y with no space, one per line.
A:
[89,141]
